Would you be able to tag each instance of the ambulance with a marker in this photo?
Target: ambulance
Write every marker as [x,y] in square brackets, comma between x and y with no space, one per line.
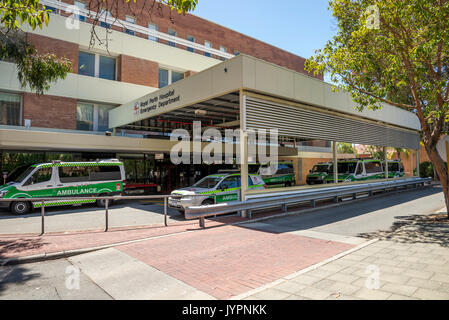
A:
[63,179]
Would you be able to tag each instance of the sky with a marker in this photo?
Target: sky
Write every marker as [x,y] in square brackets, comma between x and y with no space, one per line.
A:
[297,26]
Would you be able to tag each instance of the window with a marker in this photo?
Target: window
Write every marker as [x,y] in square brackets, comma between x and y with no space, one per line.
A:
[105,173]
[133,21]
[107,68]
[373,167]
[103,117]
[73,174]
[86,64]
[167,77]
[41,175]
[224,50]
[80,5]
[95,65]
[9,109]
[92,117]
[85,117]
[176,76]
[207,44]
[153,27]
[191,39]
[171,33]
[230,182]
[85,174]
[163,78]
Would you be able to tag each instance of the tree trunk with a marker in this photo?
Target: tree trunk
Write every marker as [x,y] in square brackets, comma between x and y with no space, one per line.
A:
[440,168]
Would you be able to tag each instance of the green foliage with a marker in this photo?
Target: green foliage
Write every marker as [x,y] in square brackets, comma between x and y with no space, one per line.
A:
[14,13]
[376,152]
[403,61]
[182,6]
[35,70]
[343,147]
[425,170]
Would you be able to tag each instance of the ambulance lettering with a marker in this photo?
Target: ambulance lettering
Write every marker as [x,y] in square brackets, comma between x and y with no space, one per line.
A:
[72,192]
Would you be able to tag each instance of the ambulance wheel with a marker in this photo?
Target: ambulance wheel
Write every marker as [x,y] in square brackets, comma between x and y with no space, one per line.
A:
[20,207]
[207,202]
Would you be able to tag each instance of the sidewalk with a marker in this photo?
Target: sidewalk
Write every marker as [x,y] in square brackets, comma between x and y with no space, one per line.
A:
[411,261]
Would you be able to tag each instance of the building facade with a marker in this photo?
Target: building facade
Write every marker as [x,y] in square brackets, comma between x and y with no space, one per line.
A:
[132,54]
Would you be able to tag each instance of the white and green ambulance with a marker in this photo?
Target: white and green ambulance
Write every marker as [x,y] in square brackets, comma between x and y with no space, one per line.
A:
[284,175]
[63,179]
[364,169]
[215,188]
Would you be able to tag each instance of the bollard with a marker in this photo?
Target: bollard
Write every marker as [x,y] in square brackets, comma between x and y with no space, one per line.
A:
[106,215]
[202,223]
[42,218]
[284,208]
[165,211]
[312,203]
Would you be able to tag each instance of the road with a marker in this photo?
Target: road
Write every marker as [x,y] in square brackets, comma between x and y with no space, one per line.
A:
[217,262]
[87,217]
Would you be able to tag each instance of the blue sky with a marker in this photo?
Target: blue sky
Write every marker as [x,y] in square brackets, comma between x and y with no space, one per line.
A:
[298,26]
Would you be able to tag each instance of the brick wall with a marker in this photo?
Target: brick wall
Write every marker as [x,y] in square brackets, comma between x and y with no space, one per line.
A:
[49,111]
[61,48]
[202,30]
[138,71]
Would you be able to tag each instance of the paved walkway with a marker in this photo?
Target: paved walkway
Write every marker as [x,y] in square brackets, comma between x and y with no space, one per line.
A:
[382,270]
[275,259]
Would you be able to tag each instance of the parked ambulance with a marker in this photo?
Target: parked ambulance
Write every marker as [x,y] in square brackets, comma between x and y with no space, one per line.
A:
[285,174]
[63,179]
[364,169]
[214,188]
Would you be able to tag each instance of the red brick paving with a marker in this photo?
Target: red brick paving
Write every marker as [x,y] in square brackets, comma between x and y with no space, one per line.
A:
[231,260]
[23,245]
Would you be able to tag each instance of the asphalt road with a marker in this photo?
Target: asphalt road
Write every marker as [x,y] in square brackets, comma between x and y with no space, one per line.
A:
[362,216]
[87,217]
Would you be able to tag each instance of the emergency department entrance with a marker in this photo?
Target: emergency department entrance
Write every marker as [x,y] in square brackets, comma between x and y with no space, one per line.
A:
[246,94]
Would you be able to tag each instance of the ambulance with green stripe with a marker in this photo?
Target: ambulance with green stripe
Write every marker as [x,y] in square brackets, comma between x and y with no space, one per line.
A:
[364,169]
[63,179]
[284,175]
[215,188]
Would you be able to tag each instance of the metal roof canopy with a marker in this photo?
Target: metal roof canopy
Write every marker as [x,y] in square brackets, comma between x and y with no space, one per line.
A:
[213,97]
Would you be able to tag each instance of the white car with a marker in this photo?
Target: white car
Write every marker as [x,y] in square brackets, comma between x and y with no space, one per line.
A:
[215,188]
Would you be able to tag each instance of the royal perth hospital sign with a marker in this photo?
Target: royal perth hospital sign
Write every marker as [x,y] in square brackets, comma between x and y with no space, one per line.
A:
[156,102]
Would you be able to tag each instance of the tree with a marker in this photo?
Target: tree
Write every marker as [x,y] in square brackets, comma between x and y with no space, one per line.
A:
[38,71]
[396,52]
[343,147]
[35,70]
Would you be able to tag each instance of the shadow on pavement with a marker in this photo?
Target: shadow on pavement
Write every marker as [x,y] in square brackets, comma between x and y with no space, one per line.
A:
[15,275]
[346,211]
[19,245]
[430,229]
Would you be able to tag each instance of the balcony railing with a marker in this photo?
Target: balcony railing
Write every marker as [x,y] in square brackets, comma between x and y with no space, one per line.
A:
[134,27]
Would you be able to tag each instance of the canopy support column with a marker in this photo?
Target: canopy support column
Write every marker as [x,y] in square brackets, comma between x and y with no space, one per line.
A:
[243,151]
[335,162]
